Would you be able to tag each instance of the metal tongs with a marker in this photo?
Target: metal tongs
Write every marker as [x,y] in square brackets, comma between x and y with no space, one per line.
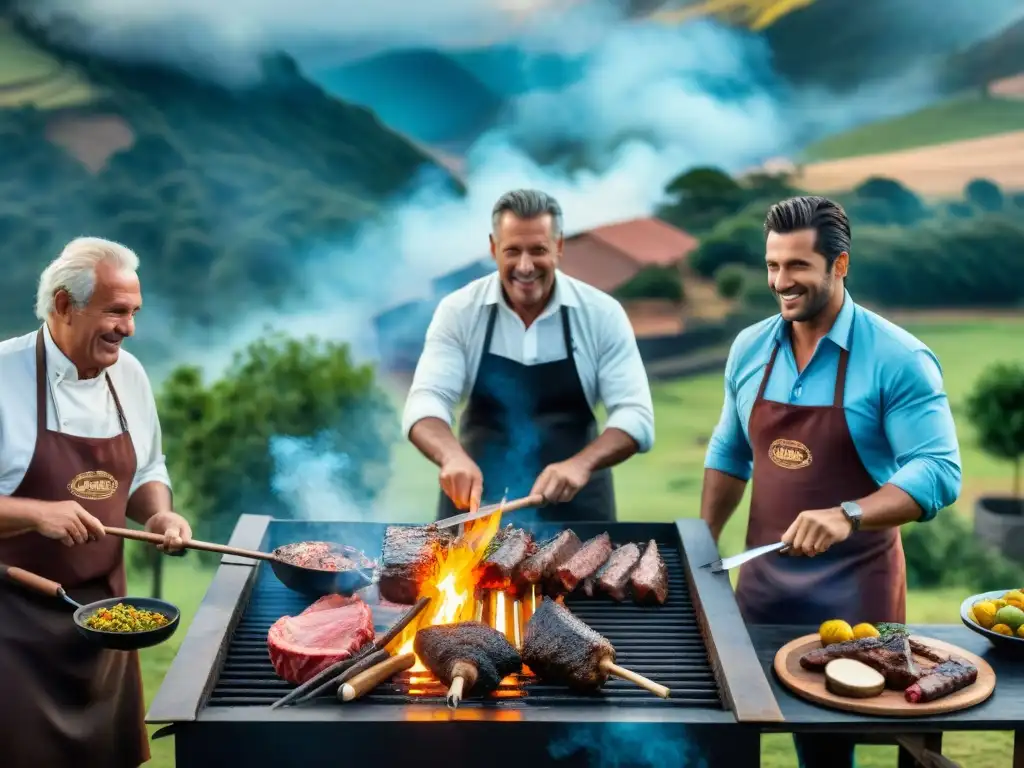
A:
[502,506]
[728,563]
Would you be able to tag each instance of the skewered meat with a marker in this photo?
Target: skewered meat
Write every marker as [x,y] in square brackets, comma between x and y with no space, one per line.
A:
[650,577]
[613,578]
[470,650]
[559,647]
[330,630]
[587,560]
[891,657]
[947,678]
[409,558]
[544,563]
[504,553]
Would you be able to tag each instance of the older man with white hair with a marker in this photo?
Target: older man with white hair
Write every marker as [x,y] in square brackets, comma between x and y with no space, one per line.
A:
[80,449]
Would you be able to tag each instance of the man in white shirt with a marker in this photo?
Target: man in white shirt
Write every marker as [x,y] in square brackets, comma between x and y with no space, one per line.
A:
[535,351]
[80,449]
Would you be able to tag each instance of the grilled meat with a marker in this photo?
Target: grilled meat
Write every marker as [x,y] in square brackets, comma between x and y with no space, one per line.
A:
[471,650]
[613,578]
[650,577]
[542,565]
[409,558]
[591,556]
[891,657]
[559,647]
[504,553]
[950,676]
[927,652]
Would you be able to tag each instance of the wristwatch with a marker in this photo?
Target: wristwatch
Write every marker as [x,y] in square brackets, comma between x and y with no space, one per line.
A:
[853,513]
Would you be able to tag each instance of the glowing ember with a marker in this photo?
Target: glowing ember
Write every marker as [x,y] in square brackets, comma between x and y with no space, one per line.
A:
[452,590]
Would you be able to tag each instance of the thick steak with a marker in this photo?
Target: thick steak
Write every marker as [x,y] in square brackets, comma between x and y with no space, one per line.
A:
[330,630]
[410,557]
[613,579]
[585,562]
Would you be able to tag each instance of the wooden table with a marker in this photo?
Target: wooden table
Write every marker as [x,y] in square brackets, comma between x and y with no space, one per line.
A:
[919,739]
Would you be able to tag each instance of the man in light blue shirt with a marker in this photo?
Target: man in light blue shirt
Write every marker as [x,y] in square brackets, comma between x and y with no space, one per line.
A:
[841,419]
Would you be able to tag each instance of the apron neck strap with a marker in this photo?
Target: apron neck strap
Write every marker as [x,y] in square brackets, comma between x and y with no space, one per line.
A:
[768,372]
[490,328]
[566,331]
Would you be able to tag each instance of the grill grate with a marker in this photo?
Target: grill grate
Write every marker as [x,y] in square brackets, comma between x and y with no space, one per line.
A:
[663,643]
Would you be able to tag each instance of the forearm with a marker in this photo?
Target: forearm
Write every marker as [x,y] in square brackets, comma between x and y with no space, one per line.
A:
[613,446]
[888,507]
[719,498]
[148,500]
[434,439]
[17,516]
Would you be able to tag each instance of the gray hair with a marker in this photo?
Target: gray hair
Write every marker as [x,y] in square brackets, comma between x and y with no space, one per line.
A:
[75,271]
[528,204]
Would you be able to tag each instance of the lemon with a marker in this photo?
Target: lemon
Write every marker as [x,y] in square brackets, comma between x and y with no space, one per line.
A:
[1020,632]
[1000,603]
[1011,617]
[864,630]
[1016,603]
[1002,629]
[985,613]
[1014,595]
[835,631]
[971,616]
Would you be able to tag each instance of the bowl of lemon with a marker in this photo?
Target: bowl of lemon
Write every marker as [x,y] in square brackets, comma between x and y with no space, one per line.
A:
[997,615]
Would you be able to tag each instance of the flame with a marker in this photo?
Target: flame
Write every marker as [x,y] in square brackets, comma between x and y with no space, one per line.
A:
[452,589]
[755,14]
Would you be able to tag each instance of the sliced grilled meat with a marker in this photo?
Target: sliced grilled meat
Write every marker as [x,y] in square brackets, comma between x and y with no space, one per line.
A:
[561,648]
[504,553]
[410,557]
[587,560]
[478,654]
[613,578]
[949,677]
[650,577]
[890,657]
[542,565]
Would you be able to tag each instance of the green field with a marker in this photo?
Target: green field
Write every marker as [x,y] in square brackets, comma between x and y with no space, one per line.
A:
[665,485]
[968,117]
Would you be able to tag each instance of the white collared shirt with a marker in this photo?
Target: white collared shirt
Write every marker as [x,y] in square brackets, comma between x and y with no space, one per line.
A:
[81,407]
[607,357]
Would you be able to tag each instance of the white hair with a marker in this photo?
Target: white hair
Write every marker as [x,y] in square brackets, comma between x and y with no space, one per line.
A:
[75,271]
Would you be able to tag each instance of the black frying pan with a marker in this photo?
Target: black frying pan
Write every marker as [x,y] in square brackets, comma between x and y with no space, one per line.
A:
[119,641]
[308,581]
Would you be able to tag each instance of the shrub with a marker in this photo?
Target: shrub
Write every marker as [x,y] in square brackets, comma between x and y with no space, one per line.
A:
[945,553]
[996,410]
[885,201]
[984,195]
[653,283]
[730,280]
[735,240]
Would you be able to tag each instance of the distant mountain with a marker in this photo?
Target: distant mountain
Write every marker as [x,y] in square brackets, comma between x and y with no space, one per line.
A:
[224,193]
[422,93]
[999,56]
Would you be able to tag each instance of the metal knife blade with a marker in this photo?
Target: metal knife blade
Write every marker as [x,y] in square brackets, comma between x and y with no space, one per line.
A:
[502,506]
[728,563]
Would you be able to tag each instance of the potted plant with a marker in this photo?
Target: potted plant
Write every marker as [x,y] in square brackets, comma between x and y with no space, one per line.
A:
[996,409]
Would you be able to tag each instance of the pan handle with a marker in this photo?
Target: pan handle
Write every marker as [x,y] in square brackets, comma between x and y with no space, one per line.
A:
[31,580]
[155,538]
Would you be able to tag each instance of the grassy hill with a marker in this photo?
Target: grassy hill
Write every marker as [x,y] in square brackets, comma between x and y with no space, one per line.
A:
[224,193]
[966,117]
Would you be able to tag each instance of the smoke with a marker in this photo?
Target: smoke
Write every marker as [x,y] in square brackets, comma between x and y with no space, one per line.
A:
[637,745]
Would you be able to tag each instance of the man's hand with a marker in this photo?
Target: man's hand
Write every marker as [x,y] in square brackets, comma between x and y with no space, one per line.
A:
[173,527]
[66,522]
[463,482]
[560,482]
[816,530]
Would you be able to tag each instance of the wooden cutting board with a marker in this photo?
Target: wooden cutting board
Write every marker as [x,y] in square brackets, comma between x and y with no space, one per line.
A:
[811,685]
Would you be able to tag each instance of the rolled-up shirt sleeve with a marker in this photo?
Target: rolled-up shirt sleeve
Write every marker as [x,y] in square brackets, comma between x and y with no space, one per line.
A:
[440,373]
[919,426]
[622,380]
[728,449]
[152,463]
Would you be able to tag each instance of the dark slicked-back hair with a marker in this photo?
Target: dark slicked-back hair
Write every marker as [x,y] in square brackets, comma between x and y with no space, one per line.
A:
[826,217]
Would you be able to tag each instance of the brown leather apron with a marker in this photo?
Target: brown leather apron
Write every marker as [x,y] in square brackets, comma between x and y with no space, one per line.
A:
[69,703]
[805,458]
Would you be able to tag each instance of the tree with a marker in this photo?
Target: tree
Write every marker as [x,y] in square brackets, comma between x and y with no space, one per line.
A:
[701,197]
[996,409]
[730,280]
[219,438]
[735,240]
[880,200]
[984,195]
[653,283]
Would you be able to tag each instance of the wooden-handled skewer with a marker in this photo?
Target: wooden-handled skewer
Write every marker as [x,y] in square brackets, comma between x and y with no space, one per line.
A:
[611,668]
[205,546]
[463,678]
[366,681]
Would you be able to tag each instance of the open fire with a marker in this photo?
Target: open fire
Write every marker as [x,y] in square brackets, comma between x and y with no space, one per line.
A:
[456,597]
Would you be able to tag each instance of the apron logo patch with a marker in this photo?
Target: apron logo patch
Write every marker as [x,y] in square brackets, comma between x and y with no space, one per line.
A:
[93,486]
[790,454]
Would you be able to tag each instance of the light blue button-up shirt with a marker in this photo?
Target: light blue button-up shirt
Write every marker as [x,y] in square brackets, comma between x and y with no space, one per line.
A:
[896,407]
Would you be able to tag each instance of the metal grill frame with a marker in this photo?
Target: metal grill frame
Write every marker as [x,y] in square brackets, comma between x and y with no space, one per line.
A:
[208,735]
